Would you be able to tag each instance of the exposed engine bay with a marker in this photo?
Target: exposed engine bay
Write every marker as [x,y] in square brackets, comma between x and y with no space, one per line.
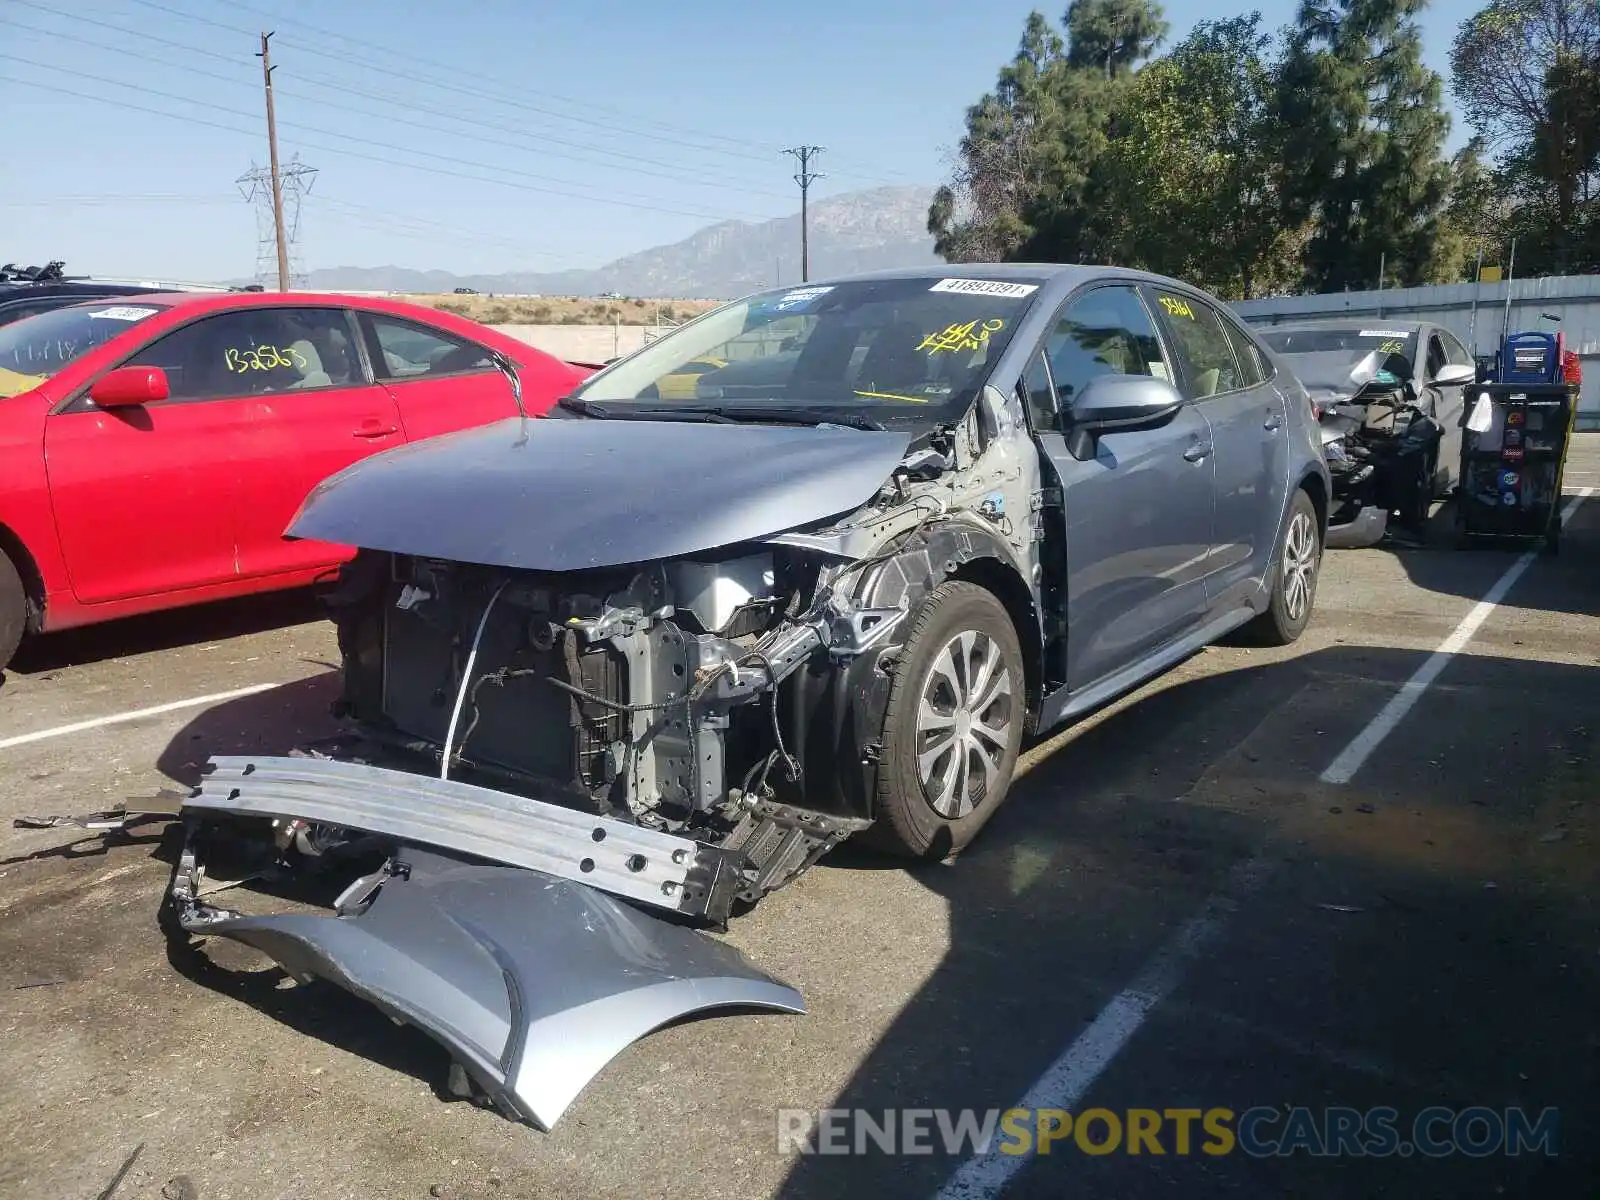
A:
[557,766]
[1378,443]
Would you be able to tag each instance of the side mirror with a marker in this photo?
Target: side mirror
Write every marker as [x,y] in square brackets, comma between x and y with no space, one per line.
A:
[1456,375]
[129,387]
[1110,402]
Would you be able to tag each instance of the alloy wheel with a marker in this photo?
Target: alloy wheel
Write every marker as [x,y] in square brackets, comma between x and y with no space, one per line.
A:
[1299,566]
[964,723]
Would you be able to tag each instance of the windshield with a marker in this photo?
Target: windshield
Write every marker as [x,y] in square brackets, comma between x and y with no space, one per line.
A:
[36,347]
[901,349]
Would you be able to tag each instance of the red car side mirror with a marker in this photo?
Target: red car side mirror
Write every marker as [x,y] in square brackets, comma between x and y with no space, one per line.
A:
[129,387]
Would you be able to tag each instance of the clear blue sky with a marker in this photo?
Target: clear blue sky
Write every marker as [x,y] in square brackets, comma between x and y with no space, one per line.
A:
[484,135]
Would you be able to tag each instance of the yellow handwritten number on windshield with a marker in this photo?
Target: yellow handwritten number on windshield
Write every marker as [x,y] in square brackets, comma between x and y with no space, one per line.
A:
[1178,308]
[1393,346]
[968,336]
[262,358]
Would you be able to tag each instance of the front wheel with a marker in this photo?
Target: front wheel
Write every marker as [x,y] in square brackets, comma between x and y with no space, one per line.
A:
[953,724]
[1294,582]
[13,610]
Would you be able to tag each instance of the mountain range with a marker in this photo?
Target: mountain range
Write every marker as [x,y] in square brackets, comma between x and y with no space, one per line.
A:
[857,231]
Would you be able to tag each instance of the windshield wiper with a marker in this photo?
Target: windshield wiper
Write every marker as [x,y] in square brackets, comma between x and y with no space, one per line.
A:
[790,416]
[719,413]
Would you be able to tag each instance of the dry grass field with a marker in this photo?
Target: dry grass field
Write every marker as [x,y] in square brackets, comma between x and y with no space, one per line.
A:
[564,310]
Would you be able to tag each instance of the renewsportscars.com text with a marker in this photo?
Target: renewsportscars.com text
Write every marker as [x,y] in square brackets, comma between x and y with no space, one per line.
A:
[1258,1132]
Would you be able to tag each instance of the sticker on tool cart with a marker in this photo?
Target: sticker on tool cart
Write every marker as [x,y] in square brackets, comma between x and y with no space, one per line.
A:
[1512,454]
[121,312]
[1514,417]
[1508,498]
[800,296]
[1509,479]
[1385,333]
[986,287]
[1513,437]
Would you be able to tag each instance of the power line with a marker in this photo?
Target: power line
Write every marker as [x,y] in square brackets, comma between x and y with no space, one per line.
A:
[753,151]
[524,141]
[698,214]
[805,177]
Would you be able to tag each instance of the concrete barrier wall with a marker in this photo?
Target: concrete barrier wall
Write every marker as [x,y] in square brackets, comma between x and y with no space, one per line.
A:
[581,343]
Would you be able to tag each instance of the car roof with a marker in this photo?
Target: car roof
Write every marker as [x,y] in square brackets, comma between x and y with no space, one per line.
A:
[1061,276]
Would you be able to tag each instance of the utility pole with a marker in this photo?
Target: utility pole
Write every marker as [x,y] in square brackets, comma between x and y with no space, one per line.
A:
[277,184]
[805,178]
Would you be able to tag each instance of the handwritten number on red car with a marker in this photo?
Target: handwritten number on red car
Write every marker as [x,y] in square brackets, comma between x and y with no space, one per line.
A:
[262,358]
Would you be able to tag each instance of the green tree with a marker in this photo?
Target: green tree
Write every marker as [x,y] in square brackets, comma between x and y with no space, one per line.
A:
[1020,186]
[979,215]
[1106,40]
[1364,129]
[1527,76]
[1193,177]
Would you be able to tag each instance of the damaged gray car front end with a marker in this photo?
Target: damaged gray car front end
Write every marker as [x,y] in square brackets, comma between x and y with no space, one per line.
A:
[610,681]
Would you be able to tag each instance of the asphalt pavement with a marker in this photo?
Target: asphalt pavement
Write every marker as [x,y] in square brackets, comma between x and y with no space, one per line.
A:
[1353,875]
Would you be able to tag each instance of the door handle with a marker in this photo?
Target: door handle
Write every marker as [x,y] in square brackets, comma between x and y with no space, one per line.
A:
[374,430]
[1196,452]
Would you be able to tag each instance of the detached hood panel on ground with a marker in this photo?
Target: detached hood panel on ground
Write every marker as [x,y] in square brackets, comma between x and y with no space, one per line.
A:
[533,983]
[570,495]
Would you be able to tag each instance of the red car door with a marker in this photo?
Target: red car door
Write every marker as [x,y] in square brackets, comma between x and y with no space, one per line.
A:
[441,381]
[144,498]
[315,413]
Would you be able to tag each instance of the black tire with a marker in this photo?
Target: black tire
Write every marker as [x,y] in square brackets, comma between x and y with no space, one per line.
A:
[13,610]
[908,823]
[1289,611]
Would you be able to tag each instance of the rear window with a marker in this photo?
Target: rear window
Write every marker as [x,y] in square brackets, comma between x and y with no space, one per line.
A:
[1358,341]
[36,347]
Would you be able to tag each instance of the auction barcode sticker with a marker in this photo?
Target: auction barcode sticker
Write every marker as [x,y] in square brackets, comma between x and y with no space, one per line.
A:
[986,287]
[120,312]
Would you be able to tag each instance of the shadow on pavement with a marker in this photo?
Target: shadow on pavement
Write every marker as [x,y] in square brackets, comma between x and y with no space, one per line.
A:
[270,722]
[1568,582]
[1422,938]
[166,630]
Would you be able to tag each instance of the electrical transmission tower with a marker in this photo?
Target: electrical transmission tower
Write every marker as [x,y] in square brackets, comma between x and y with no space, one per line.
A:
[805,178]
[294,180]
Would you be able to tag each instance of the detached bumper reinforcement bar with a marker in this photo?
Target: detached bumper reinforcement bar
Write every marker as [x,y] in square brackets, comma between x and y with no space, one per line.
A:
[663,870]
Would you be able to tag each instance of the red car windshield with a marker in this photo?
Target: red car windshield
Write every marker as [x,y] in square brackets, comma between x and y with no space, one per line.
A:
[36,347]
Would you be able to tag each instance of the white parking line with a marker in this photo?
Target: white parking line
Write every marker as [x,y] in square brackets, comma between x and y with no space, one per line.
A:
[1343,768]
[23,739]
[1067,1079]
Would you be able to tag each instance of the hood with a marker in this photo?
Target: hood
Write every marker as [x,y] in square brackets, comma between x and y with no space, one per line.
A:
[570,495]
[1326,373]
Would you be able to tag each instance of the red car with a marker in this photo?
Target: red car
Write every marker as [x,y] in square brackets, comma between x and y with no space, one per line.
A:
[153,448]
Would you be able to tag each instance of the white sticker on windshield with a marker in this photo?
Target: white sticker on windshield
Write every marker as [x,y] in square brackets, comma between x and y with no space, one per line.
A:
[801,295]
[1384,333]
[986,287]
[121,312]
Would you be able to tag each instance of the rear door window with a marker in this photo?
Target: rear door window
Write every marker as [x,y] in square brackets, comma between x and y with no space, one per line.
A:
[1202,345]
[1253,366]
[406,350]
